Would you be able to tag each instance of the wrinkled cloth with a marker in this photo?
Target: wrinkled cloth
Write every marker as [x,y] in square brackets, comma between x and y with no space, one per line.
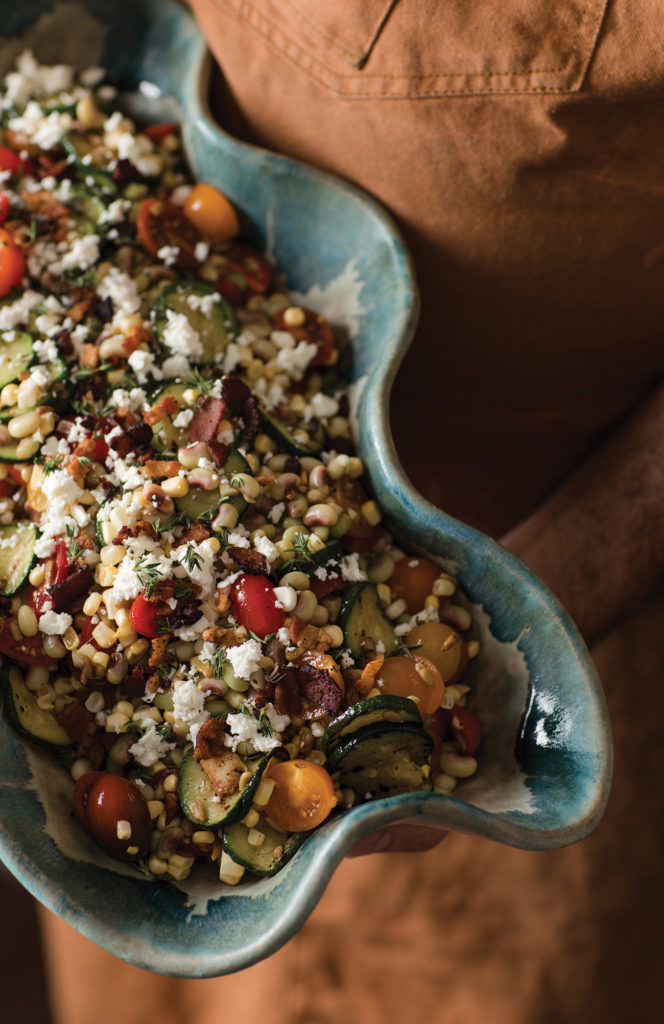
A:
[520,146]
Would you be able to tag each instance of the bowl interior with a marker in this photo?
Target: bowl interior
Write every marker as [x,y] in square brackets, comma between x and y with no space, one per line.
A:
[546,758]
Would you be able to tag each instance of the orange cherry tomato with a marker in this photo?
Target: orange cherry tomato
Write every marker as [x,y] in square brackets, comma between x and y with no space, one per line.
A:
[212,213]
[303,795]
[158,132]
[314,330]
[12,263]
[417,677]
[412,581]
[442,645]
[114,810]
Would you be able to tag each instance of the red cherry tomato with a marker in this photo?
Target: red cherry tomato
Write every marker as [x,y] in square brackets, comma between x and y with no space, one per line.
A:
[7,487]
[245,272]
[11,161]
[303,795]
[255,605]
[115,812]
[466,730]
[4,207]
[57,569]
[159,223]
[315,330]
[212,213]
[15,473]
[143,616]
[12,263]
[158,132]
[412,581]
[27,650]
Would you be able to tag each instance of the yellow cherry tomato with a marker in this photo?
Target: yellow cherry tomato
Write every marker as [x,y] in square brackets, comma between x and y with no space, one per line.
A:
[412,580]
[212,213]
[442,645]
[405,676]
[302,797]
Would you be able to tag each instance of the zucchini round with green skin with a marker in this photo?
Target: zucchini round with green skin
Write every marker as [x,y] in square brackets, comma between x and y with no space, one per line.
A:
[16,355]
[286,435]
[79,148]
[199,801]
[383,759]
[276,849]
[17,549]
[363,623]
[25,715]
[165,436]
[371,711]
[201,504]
[206,312]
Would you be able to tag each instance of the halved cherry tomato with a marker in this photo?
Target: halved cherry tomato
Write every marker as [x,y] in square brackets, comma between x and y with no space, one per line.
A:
[158,132]
[412,581]
[15,473]
[406,676]
[7,487]
[12,263]
[212,213]
[255,605]
[446,648]
[321,588]
[143,616]
[466,729]
[110,806]
[27,650]
[11,161]
[315,330]
[159,223]
[4,207]
[245,272]
[303,795]
[57,570]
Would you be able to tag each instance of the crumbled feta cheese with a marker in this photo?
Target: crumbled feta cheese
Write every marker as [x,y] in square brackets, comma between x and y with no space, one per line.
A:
[121,290]
[150,748]
[346,659]
[276,512]
[321,406]
[265,546]
[189,707]
[183,418]
[53,624]
[180,337]
[350,568]
[175,367]
[426,615]
[144,366]
[34,79]
[245,728]
[245,658]
[135,399]
[15,314]
[40,129]
[83,252]
[168,254]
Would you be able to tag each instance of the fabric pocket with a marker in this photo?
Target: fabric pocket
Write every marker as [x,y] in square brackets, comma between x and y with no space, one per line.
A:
[426,48]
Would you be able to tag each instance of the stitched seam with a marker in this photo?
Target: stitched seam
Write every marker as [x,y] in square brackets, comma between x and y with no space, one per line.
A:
[293,51]
[333,40]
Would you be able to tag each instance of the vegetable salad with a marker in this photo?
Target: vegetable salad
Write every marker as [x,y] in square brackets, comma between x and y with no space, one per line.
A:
[201,612]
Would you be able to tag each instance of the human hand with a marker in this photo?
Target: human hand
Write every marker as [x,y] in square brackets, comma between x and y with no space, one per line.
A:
[399,839]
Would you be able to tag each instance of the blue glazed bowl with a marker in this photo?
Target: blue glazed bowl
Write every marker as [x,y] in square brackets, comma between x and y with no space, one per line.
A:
[546,757]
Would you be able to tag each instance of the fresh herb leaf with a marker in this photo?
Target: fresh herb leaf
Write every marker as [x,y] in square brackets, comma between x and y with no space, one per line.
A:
[202,384]
[50,465]
[90,371]
[300,550]
[264,724]
[149,574]
[74,550]
[192,558]
[218,660]
[163,625]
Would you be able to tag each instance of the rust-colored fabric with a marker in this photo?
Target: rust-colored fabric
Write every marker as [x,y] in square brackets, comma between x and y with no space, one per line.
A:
[520,145]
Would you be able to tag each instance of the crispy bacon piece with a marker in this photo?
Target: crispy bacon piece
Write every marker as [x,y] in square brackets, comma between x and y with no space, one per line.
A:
[159,655]
[137,436]
[161,410]
[251,417]
[44,204]
[369,673]
[219,452]
[89,356]
[197,532]
[287,700]
[319,690]
[135,530]
[77,721]
[69,590]
[219,634]
[234,392]
[251,561]
[156,468]
[210,739]
[206,419]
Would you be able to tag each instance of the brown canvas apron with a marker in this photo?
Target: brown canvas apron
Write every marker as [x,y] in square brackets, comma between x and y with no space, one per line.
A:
[520,145]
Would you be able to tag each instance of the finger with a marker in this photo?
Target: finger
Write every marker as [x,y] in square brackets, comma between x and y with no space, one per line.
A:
[399,839]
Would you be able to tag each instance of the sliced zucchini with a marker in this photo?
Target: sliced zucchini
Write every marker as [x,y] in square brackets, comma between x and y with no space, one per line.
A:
[17,548]
[25,715]
[165,436]
[363,623]
[15,355]
[383,759]
[87,207]
[198,799]
[273,852]
[80,148]
[313,562]
[215,329]
[296,439]
[373,710]
[8,453]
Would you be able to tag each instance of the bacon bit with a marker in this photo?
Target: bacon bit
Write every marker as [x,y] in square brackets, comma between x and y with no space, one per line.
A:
[137,436]
[77,470]
[89,356]
[161,410]
[234,392]
[287,700]
[251,417]
[197,532]
[210,739]
[206,419]
[79,311]
[321,588]
[68,591]
[156,468]
[77,721]
[223,602]
[225,635]
[369,673]
[159,655]
[319,690]
[142,526]
[44,204]
[219,452]
[91,448]
[307,638]
[251,561]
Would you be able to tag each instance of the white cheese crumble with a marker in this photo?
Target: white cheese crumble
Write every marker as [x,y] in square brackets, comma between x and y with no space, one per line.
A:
[245,728]
[426,615]
[321,407]
[245,658]
[295,360]
[121,290]
[189,707]
[350,568]
[150,748]
[180,337]
[54,624]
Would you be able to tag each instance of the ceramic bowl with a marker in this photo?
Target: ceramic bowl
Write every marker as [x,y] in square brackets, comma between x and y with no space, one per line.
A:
[545,759]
